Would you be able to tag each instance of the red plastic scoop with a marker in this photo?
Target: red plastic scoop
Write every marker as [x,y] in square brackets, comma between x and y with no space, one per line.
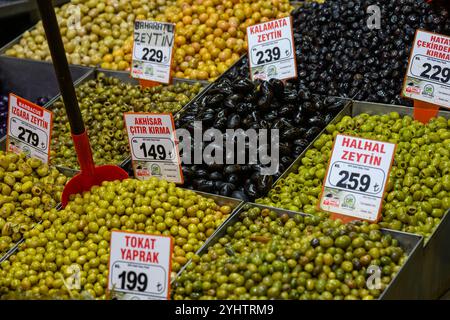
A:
[90,175]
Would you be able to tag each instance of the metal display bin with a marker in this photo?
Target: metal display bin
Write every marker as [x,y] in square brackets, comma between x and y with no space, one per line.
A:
[9,8]
[125,77]
[434,280]
[401,287]
[235,205]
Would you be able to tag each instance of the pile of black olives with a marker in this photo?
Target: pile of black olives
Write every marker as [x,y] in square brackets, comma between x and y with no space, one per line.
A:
[103,102]
[417,194]
[265,255]
[242,104]
[338,55]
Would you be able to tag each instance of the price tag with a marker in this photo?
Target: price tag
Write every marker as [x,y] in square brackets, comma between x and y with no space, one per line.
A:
[154,148]
[152,50]
[140,266]
[428,75]
[356,177]
[271,50]
[29,128]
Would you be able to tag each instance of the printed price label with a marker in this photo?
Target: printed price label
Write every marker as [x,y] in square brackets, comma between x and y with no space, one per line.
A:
[357,176]
[153,145]
[271,50]
[152,50]
[428,74]
[139,266]
[29,128]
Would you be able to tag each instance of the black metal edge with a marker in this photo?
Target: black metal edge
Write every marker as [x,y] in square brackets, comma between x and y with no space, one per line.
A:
[412,249]
[14,41]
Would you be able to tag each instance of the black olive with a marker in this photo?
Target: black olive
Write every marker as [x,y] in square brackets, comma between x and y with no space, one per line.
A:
[214,100]
[243,85]
[207,118]
[187,172]
[301,142]
[315,242]
[312,133]
[220,124]
[215,176]
[290,96]
[278,87]
[244,108]
[285,148]
[271,115]
[233,100]
[227,189]
[222,89]
[251,190]
[232,168]
[316,121]
[200,173]
[218,185]
[233,178]
[264,183]
[286,110]
[204,185]
[234,121]
[291,134]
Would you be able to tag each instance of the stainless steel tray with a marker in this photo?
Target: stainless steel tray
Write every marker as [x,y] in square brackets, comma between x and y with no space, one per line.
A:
[401,286]
[435,280]
[123,76]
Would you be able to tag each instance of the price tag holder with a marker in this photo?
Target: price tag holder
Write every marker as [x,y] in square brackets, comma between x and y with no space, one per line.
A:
[152,50]
[356,178]
[29,128]
[428,74]
[271,50]
[153,145]
[139,266]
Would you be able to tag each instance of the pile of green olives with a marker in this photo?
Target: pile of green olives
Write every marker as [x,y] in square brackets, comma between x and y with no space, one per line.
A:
[418,190]
[77,237]
[103,102]
[269,255]
[28,187]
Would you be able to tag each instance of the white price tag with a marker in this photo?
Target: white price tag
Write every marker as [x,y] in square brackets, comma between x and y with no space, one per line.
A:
[356,177]
[271,50]
[153,145]
[152,50]
[428,74]
[140,266]
[29,128]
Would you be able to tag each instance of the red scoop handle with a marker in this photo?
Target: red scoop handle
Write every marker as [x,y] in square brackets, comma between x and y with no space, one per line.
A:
[84,153]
